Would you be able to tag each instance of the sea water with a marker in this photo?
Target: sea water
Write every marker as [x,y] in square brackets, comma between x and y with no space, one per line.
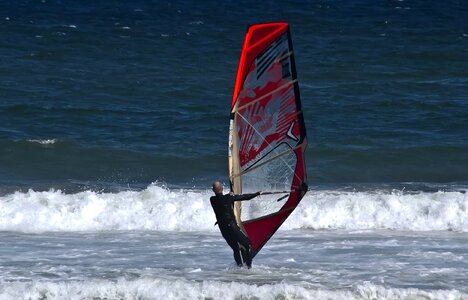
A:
[114,122]
[161,242]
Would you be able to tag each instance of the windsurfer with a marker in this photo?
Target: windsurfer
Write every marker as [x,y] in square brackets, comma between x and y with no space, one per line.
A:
[223,206]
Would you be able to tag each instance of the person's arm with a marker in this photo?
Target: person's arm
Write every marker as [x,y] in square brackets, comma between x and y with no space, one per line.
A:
[244,197]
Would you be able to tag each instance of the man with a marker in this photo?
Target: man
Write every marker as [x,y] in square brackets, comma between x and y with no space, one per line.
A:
[223,206]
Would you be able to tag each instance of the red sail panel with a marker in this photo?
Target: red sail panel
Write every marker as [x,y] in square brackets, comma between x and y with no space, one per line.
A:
[268,136]
[256,38]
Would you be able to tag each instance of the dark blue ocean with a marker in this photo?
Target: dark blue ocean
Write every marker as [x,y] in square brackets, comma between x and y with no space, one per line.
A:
[114,121]
[128,93]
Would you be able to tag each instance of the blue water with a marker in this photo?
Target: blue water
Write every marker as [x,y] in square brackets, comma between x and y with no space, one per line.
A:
[134,92]
[114,122]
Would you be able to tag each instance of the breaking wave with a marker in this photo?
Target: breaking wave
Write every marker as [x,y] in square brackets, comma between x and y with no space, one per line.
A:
[148,288]
[161,209]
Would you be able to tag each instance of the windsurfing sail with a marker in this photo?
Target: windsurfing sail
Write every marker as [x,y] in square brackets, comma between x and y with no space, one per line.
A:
[267,136]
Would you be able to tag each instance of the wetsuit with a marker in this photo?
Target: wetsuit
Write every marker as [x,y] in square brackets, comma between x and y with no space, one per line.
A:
[223,206]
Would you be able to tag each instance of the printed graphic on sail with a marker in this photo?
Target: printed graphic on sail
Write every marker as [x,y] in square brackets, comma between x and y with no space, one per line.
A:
[267,133]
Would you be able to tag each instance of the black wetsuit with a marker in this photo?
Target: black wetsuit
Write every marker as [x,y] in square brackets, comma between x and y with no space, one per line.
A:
[223,206]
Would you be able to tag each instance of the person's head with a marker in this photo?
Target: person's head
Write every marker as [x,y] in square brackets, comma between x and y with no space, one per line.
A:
[217,187]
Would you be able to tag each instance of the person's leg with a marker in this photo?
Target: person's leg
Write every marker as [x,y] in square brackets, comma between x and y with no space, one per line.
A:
[236,252]
[247,256]
[245,246]
[232,242]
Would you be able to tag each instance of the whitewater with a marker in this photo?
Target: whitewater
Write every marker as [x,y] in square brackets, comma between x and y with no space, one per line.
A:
[159,208]
[161,242]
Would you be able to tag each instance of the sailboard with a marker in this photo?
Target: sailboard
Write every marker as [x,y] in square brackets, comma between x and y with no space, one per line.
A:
[267,135]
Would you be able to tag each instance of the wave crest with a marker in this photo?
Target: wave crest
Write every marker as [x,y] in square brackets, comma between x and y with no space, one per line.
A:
[162,209]
[148,288]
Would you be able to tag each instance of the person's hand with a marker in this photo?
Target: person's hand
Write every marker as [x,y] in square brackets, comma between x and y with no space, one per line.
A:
[259,193]
[231,193]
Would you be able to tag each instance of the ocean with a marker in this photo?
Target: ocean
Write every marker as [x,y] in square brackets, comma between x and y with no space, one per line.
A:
[114,120]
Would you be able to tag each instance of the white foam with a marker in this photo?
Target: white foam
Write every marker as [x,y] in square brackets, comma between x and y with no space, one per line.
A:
[155,208]
[161,209]
[421,211]
[147,288]
[45,141]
